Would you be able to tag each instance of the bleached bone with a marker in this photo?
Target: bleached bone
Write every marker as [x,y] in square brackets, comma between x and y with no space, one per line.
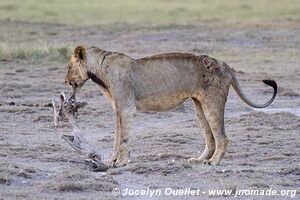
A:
[66,111]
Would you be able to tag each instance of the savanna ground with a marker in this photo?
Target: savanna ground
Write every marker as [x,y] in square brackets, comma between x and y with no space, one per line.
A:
[259,39]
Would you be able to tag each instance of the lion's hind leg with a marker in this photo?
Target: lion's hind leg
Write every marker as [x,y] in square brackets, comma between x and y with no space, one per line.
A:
[208,135]
[214,113]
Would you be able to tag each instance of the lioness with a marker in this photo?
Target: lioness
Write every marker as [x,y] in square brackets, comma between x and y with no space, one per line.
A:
[160,83]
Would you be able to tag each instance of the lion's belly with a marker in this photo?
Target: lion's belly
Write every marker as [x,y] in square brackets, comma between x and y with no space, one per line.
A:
[165,87]
[163,94]
[160,104]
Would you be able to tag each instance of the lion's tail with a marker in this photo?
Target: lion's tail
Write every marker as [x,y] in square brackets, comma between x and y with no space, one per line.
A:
[241,94]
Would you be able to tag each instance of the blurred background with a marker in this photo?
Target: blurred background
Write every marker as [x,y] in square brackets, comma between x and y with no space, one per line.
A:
[159,12]
[34,29]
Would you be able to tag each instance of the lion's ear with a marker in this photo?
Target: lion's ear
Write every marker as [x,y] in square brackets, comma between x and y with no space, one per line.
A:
[79,53]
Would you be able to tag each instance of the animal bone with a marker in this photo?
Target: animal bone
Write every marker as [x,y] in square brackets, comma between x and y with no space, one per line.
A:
[66,111]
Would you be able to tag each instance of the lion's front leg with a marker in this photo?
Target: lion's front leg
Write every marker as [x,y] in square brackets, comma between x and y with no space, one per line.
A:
[115,151]
[120,153]
[123,101]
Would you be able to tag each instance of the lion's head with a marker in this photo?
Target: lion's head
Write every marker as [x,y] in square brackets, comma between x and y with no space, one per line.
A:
[77,68]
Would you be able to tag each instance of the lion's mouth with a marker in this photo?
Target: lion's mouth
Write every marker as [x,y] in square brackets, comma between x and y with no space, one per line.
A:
[75,88]
[73,84]
[73,92]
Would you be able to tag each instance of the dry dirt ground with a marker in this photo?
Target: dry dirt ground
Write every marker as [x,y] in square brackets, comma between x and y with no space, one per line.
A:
[264,144]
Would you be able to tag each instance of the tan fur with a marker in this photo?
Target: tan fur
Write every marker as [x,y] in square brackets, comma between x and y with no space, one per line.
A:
[158,83]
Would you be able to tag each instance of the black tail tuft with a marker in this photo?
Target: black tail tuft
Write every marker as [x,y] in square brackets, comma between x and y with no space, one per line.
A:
[271,83]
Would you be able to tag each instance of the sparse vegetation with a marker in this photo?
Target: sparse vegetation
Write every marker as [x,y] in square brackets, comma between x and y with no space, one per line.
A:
[26,52]
[154,12]
[4,180]
[86,185]
[78,180]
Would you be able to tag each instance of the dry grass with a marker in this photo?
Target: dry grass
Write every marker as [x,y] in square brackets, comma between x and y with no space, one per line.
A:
[34,52]
[86,185]
[4,179]
[155,11]
[78,180]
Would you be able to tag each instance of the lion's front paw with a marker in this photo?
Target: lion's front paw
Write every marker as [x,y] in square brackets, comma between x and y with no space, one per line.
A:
[195,160]
[120,162]
[110,162]
[211,162]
